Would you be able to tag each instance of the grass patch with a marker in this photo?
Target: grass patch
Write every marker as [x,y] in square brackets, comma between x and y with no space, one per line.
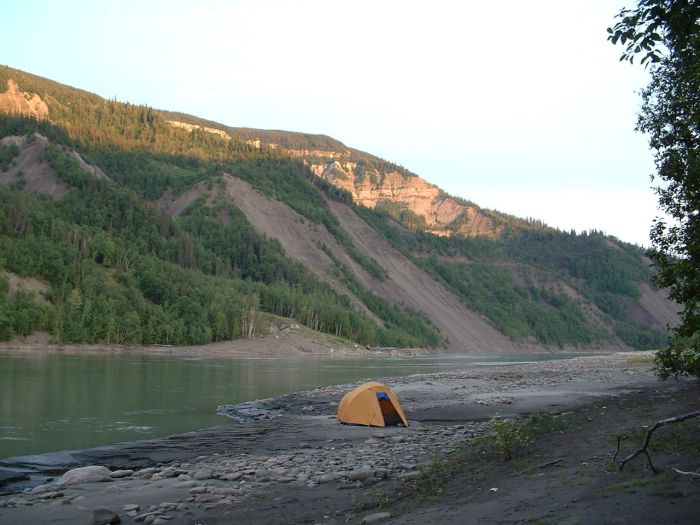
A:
[641,361]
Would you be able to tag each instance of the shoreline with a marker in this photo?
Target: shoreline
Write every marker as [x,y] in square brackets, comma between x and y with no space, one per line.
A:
[293,341]
[299,448]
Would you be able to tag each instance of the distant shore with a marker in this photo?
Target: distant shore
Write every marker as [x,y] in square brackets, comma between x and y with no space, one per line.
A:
[294,341]
[295,462]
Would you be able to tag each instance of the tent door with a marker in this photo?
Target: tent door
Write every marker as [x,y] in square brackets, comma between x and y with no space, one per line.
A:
[391,416]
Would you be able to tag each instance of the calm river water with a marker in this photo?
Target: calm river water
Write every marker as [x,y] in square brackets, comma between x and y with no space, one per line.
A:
[63,402]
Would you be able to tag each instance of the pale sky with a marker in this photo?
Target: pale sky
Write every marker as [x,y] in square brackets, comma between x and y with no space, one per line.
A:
[517,106]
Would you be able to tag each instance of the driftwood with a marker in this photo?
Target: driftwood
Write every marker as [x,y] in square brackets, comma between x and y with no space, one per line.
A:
[694,475]
[647,439]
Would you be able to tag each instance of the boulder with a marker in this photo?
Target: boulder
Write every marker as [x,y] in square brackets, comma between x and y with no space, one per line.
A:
[105,516]
[88,474]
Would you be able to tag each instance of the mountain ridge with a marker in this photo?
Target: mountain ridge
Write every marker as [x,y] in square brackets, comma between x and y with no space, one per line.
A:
[230,208]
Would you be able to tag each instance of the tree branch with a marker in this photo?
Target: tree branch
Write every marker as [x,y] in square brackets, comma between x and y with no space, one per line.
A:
[647,438]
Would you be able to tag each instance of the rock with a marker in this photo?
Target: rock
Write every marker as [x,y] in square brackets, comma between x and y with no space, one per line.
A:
[39,488]
[90,474]
[206,498]
[51,495]
[222,491]
[198,490]
[17,502]
[161,520]
[105,516]
[409,475]
[146,473]
[327,478]
[203,474]
[185,485]
[360,475]
[376,518]
[286,479]
[121,473]
[233,476]
[370,481]
[143,517]
[131,506]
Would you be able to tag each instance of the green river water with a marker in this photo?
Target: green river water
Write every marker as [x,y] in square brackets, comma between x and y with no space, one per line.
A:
[52,402]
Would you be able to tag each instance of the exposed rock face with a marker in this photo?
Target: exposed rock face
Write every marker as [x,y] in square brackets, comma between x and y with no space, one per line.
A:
[15,101]
[192,127]
[371,189]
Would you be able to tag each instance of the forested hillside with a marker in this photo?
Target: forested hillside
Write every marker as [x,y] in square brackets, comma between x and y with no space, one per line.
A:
[131,223]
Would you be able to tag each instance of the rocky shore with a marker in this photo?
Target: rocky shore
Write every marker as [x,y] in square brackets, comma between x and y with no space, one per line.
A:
[291,461]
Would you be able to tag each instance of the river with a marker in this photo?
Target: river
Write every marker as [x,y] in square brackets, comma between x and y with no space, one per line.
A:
[51,402]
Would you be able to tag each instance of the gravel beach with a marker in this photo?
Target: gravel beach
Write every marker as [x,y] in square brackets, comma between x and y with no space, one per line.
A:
[290,461]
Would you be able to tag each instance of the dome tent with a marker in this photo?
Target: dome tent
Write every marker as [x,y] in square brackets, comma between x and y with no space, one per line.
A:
[371,404]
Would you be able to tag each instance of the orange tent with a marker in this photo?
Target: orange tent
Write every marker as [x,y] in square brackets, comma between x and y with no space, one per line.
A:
[371,404]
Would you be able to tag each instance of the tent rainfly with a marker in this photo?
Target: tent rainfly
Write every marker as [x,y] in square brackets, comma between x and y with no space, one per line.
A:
[371,404]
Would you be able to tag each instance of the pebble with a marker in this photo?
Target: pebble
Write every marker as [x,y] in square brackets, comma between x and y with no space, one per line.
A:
[360,475]
[121,473]
[51,495]
[376,518]
[327,478]
[185,484]
[203,474]
[17,502]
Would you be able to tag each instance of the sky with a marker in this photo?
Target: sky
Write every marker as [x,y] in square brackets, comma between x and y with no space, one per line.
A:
[522,107]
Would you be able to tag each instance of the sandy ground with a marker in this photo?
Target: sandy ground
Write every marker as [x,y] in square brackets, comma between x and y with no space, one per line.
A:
[290,461]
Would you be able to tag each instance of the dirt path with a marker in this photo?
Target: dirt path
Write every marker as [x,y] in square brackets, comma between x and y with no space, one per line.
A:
[294,463]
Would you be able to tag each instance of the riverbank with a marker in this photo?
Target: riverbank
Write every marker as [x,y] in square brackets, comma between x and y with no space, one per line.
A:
[288,342]
[294,463]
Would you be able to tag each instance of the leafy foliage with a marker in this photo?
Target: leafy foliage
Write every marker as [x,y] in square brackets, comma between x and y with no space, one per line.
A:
[667,34]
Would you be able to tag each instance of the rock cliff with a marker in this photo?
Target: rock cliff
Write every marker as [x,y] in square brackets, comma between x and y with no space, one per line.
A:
[15,101]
